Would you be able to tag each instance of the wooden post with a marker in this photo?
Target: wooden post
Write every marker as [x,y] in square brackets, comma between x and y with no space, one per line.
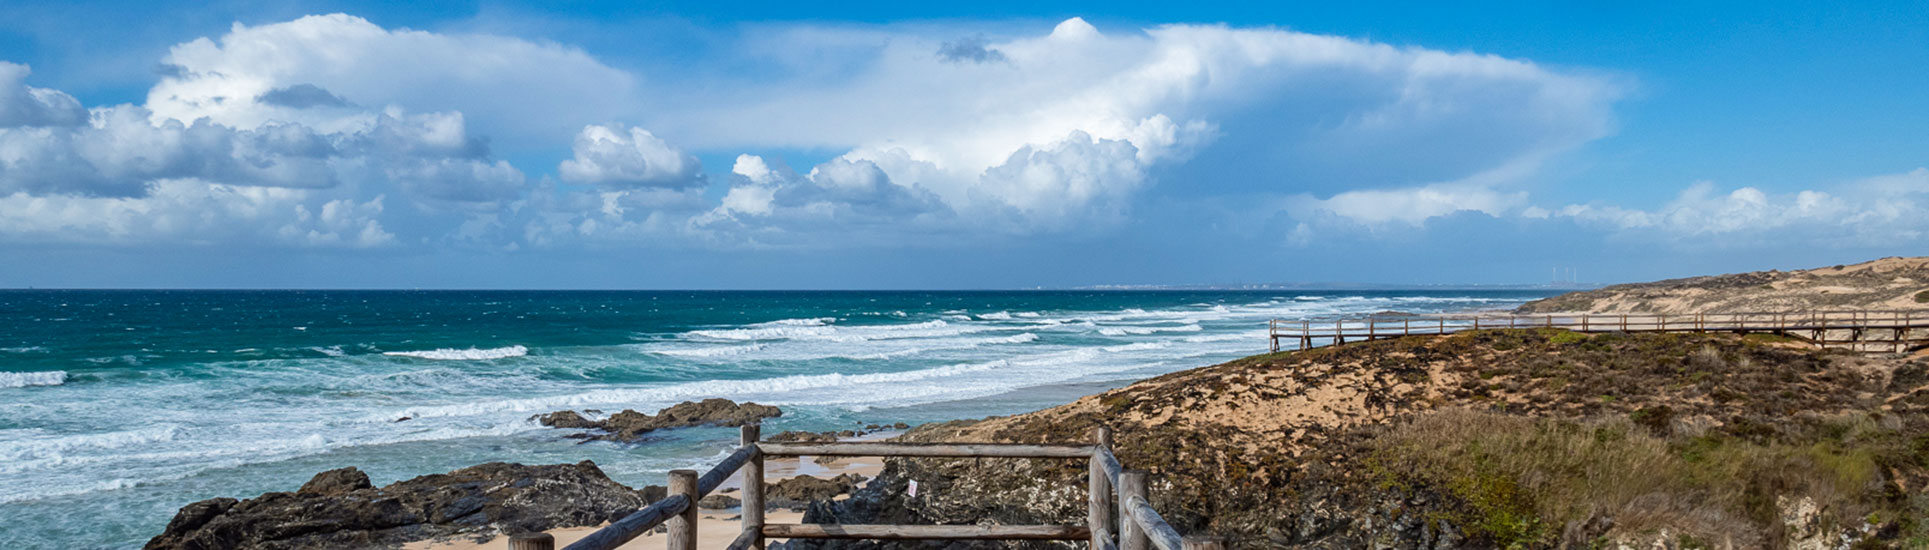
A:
[532,541]
[1098,515]
[753,485]
[683,527]
[1131,535]
[1203,542]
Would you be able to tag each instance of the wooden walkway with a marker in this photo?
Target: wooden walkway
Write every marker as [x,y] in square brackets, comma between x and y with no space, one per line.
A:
[1893,331]
[1119,516]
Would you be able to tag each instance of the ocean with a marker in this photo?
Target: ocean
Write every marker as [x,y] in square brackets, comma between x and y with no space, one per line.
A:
[119,407]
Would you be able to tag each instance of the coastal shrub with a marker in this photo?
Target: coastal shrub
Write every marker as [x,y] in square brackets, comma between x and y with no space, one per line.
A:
[1519,479]
[1922,297]
[1567,337]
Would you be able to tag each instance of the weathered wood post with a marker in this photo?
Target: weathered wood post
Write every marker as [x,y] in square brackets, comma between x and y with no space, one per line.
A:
[753,485]
[1098,515]
[532,541]
[1131,535]
[683,527]
[1203,542]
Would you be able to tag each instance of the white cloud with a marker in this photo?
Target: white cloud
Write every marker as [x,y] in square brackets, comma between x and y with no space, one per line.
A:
[525,92]
[23,105]
[1409,206]
[120,174]
[1030,135]
[187,211]
[1877,211]
[613,156]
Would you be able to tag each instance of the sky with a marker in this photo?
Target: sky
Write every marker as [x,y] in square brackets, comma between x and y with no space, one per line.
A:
[980,145]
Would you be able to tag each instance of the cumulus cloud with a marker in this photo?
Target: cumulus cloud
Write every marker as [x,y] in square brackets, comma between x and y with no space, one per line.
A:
[121,173]
[188,211]
[613,156]
[1409,206]
[525,92]
[1069,126]
[1875,211]
[23,105]
[843,201]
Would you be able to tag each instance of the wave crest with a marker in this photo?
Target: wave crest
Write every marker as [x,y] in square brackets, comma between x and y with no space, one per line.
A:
[471,354]
[24,379]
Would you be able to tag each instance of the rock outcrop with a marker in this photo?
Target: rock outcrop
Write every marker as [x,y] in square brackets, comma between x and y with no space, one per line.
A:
[797,492]
[1887,284]
[341,509]
[630,425]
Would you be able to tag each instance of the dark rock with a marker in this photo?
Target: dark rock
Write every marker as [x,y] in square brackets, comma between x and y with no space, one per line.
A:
[566,419]
[630,425]
[800,490]
[339,509]
[653,493]
[335,482]
[802,437]
[718,502]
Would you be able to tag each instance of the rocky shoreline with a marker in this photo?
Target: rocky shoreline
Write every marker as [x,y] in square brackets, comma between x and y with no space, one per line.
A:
[1483,439]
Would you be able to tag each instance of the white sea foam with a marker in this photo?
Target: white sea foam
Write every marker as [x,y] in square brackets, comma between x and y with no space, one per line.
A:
[1143,330]
[712,351]
[25,379]
[25,349]
[996,316]
[862,333]
[811,322]
[471,354]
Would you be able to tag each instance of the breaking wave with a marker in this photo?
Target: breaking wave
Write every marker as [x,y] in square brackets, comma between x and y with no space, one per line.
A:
[24,379]
[471,354]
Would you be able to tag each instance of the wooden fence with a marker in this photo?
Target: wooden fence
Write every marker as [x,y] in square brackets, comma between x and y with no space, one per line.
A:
[1120,517]
[1861,330]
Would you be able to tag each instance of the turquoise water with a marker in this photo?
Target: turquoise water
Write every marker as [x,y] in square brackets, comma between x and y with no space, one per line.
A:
[121,406]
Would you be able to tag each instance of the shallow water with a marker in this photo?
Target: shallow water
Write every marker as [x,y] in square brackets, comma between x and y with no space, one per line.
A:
[121,406]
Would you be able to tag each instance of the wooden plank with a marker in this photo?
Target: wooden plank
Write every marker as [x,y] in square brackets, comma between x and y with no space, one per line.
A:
[949,450]
[1098,505]
[1153,525]
[1111,464]
[723,470]
[945,532]
[1131,533]
[532,541]
[633,525]
[683,527]
[753,487]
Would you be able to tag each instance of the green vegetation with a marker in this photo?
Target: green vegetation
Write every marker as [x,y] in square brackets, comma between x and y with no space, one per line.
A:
[1567,337]
[1520,479]
[1922,297]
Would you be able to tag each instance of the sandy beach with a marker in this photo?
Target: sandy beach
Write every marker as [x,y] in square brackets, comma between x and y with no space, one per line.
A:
[716,528]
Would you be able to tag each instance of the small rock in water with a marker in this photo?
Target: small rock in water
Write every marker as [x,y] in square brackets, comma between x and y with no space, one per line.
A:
[629,425]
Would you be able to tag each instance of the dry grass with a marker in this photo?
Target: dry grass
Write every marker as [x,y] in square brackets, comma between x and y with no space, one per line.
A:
[1524,481]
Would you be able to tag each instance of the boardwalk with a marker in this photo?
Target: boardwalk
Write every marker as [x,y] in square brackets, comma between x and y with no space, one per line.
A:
[1893,331]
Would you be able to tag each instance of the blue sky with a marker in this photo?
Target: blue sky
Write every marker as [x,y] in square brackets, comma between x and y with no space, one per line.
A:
[969,145]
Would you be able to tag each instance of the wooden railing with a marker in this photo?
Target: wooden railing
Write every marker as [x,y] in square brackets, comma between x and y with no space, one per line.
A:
[1117,498]
[1862,330]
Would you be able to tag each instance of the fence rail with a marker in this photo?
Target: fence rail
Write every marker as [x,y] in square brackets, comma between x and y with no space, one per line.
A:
[1120,518]
[1860,330]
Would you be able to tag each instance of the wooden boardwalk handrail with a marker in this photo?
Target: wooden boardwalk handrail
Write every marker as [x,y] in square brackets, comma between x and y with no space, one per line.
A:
[1113,490]
[951,532]
[1862,330]
[936,450]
